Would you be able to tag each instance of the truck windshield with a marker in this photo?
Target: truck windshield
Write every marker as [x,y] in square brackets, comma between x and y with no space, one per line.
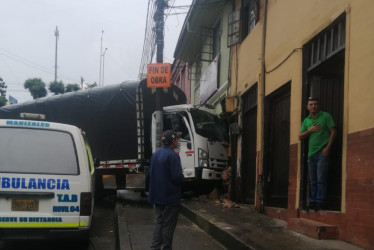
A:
[209,125]
[35,151]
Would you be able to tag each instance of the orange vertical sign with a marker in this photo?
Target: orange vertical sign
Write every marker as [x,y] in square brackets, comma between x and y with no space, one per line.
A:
[158,75]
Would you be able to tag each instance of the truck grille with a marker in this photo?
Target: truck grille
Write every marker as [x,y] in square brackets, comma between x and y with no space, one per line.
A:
[217,163]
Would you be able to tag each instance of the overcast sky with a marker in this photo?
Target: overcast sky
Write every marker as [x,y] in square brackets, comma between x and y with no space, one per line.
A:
[28,42]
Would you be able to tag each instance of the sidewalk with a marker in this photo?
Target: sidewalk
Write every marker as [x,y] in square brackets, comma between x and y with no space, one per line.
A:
[243,228]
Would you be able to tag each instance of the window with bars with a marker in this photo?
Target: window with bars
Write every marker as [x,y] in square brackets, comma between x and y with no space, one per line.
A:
[241,22]
[233,37]
[250,9]
[327,44]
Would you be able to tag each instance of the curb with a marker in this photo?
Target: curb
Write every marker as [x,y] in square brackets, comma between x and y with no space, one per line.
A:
[123,242]
[227,239]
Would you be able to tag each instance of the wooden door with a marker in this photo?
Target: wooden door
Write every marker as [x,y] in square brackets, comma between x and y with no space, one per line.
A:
[276,159]
[248,167]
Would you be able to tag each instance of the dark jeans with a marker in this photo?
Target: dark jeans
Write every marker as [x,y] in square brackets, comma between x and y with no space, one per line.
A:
[166,218]
[318,171]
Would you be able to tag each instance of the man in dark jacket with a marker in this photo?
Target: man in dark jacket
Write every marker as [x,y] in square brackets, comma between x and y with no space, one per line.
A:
[166,177]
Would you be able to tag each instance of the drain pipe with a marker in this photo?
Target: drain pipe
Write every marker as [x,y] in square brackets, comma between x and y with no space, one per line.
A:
[262,111]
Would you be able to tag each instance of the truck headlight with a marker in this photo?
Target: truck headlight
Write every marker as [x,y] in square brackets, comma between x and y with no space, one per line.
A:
[203,158]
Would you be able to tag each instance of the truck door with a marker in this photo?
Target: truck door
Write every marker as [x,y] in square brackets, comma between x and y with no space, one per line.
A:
[186,149]
[179,122]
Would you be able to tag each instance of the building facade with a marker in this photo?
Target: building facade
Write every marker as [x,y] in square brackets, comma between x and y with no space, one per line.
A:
[258,61]
[283,52]
[202,45]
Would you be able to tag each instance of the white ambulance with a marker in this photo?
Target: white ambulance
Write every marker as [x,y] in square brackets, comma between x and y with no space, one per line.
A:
[46,181]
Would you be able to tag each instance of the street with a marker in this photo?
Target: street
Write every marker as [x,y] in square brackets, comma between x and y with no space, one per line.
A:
[135,228]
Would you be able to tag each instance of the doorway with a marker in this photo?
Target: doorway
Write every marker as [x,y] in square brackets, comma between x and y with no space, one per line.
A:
[277,143]
[323,67]
[248,169]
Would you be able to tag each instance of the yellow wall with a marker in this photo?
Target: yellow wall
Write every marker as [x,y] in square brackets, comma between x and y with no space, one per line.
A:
[290,25]
[360,67]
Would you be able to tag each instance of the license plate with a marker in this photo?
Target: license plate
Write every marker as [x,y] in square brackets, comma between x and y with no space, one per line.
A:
[25,205]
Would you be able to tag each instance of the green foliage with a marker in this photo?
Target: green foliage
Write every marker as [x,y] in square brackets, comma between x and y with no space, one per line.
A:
[3,101]
[57,87]
[72,87]
[36,87]
[3,88]
[90,86]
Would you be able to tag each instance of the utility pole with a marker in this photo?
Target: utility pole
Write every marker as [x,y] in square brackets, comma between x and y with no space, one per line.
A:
[56,34]
[102,81]
[159,25]
[101,55]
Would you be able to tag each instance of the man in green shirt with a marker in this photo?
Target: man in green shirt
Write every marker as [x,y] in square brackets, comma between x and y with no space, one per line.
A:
[319,129]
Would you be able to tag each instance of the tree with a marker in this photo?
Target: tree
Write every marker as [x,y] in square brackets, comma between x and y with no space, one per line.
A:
[3,88]
[90,86]
[72,87]
[57,87]
[36,87]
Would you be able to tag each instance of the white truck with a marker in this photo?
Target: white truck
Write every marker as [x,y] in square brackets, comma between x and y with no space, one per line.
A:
[119,122]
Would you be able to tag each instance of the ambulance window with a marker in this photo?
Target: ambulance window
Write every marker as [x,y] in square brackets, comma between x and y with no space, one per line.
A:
[34,151]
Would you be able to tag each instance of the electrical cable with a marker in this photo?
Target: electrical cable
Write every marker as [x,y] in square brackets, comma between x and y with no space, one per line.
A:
[31,64]
[149,44]
[283,61]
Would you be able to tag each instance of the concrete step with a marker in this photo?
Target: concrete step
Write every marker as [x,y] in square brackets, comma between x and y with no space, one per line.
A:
[313,229]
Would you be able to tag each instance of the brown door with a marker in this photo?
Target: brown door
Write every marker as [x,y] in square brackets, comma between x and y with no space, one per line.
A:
[276,159]
[248,169]
[249,156]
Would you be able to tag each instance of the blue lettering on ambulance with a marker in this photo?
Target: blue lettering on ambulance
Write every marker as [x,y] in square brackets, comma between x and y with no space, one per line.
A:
[60,209]
[28,124]
[33,183]
[67,198]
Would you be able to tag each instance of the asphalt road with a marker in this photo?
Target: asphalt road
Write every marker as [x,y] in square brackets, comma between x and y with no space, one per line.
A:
[136,227]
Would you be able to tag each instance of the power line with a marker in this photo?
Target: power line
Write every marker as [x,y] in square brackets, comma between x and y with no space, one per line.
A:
[31,64]
[149,44]
[149,40]
[17,58]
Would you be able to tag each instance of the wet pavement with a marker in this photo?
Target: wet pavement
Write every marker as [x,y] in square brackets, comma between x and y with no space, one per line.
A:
[241,227]
[136,222]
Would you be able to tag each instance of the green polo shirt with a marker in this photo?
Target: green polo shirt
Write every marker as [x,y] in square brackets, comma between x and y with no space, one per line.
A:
[318,140]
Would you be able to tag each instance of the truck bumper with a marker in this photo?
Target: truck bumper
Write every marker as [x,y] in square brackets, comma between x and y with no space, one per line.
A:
[208,174]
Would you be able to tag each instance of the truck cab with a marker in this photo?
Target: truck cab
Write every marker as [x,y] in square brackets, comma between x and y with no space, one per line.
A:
[202,146]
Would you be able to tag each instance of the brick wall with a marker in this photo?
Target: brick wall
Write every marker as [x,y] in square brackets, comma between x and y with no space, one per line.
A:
[357,224]
[360,189]
[292,181]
